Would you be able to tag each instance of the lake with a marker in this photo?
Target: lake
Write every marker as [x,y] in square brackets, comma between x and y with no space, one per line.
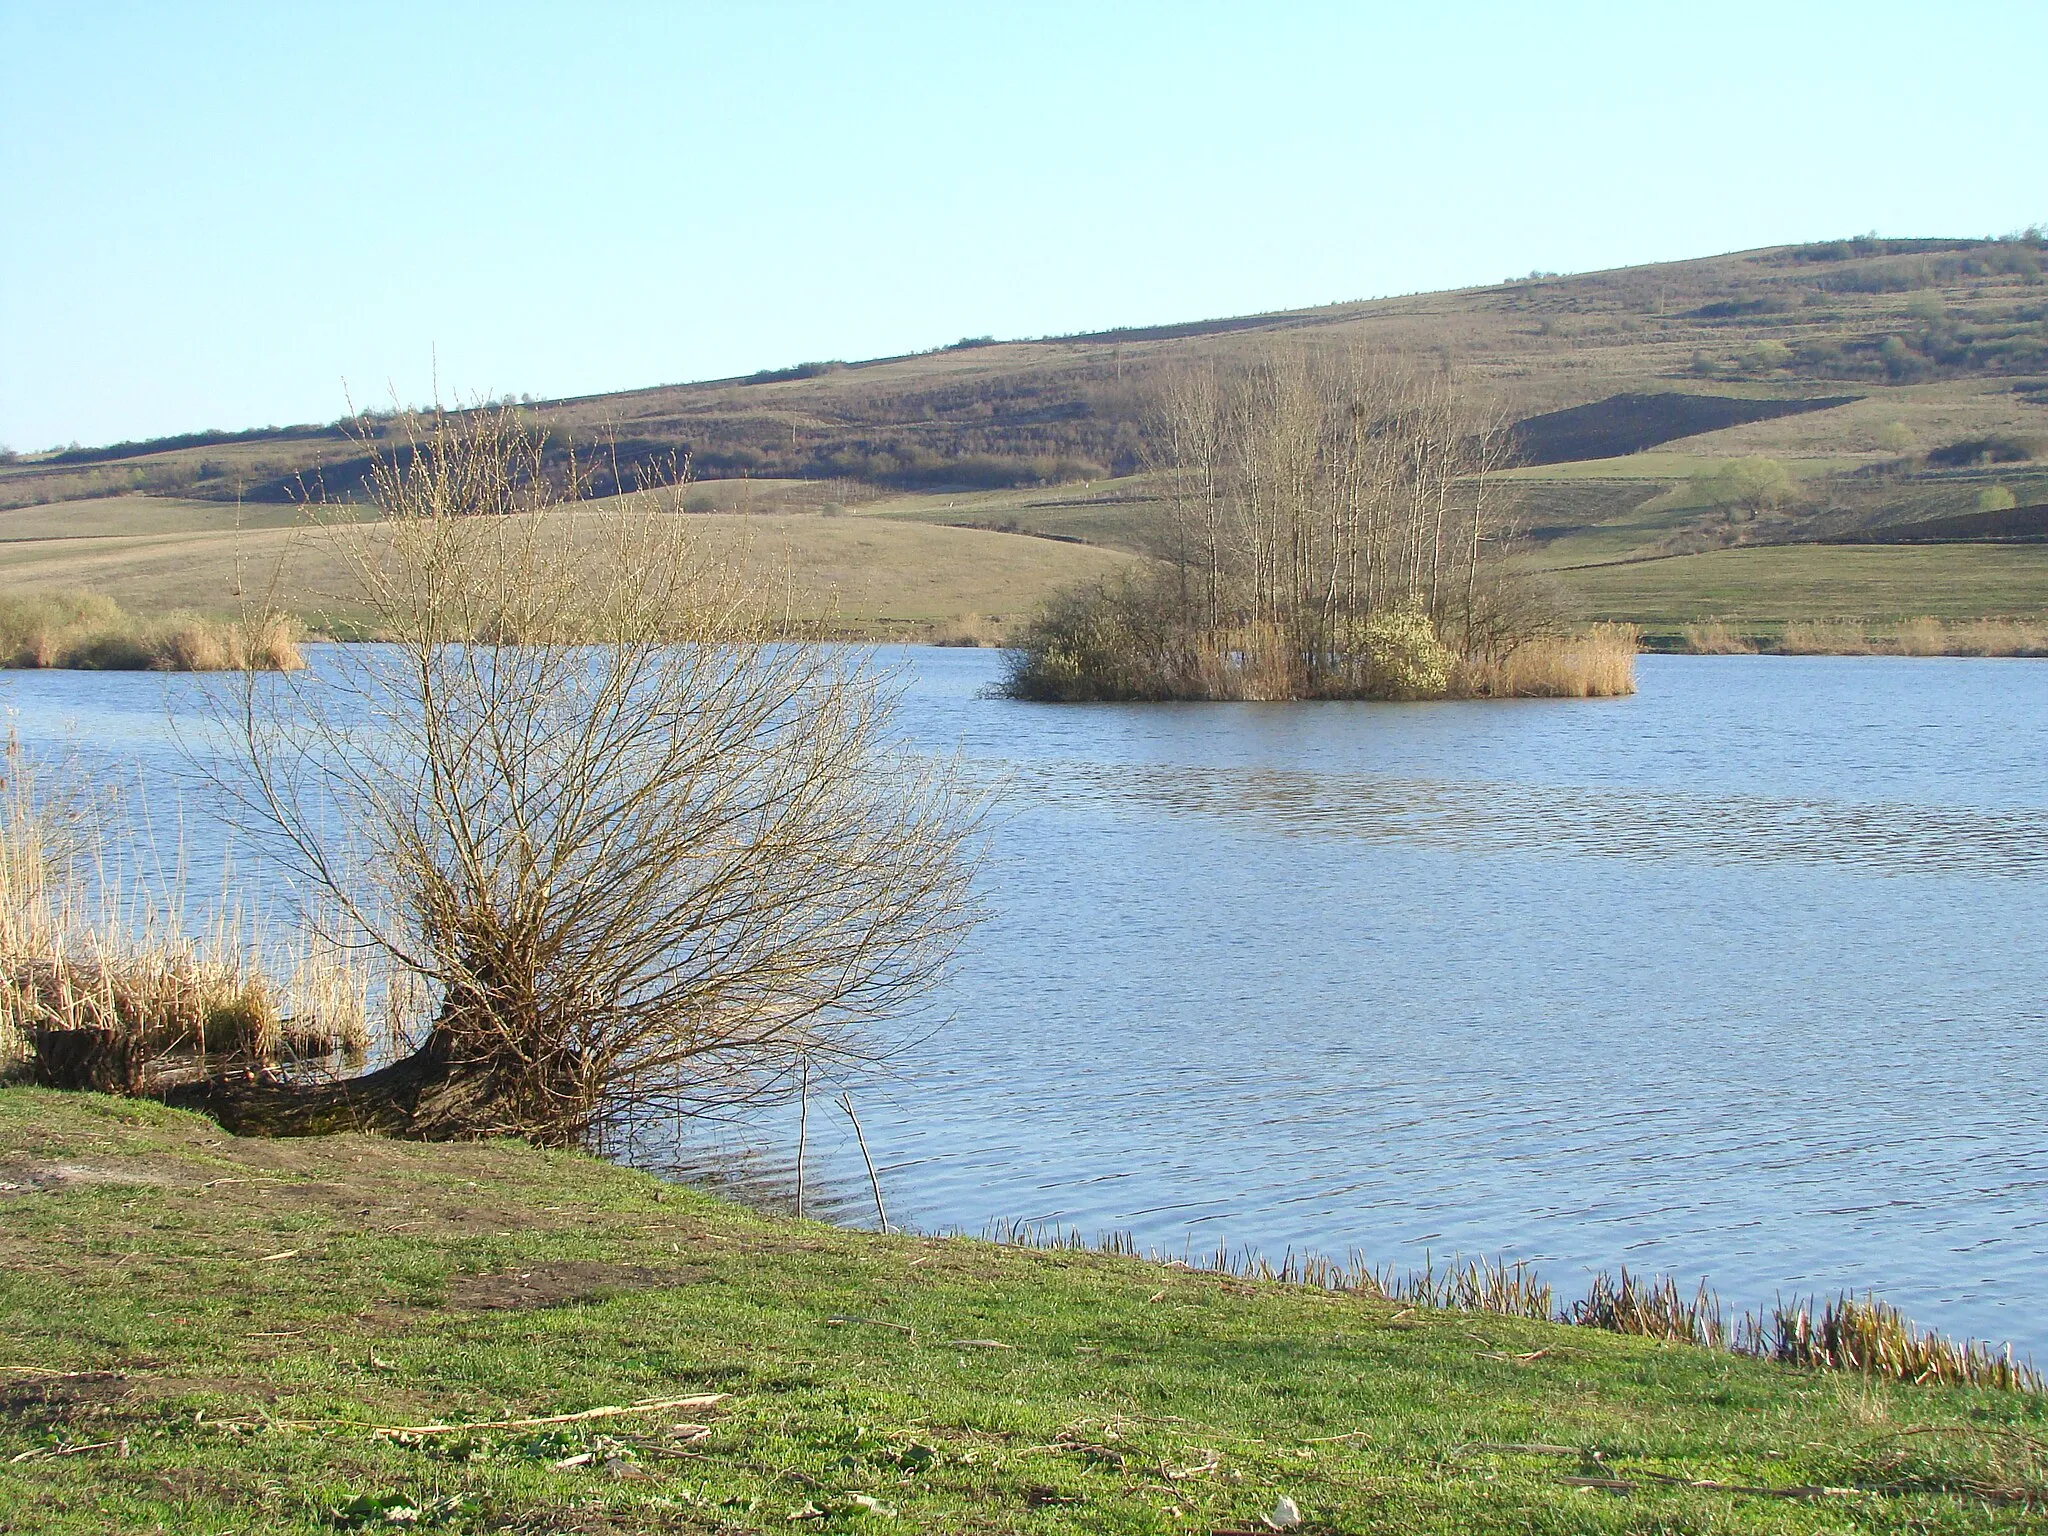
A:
[1741,978]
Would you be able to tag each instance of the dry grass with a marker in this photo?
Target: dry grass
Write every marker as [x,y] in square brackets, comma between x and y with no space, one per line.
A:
[104,984]
[1917,637]
[1597,663]
[80,630]
[1713,637]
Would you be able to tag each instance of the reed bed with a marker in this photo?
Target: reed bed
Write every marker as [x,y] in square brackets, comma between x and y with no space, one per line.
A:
[85,632]
[1597,663]
[1868,1338]
[1856,637]
[1872,1338]
[1713,637]
[113,988]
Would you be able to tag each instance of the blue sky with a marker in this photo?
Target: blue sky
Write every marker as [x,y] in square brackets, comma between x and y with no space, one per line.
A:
[234,215]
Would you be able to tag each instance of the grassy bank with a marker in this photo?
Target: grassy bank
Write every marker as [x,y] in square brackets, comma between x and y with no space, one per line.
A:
[93,633]
[207,1334]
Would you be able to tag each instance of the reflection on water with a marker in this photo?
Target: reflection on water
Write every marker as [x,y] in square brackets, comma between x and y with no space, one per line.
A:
[1484,818]
[1743,977]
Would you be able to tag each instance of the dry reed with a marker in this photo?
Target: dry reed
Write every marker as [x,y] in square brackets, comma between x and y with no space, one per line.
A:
[110,988]
[1597,663]
[1825,637]
[969,631]
[1874,1339]
[86,632]
[1713,637]
[1916,637]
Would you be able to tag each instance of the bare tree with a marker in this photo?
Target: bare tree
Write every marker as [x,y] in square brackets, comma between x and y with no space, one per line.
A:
[640,851]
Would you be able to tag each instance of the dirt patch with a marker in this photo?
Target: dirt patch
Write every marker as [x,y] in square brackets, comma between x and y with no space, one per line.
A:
[561,1284]
[32,1176]
[59,1397]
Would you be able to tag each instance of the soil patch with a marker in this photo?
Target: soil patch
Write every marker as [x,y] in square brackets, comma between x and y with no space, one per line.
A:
[561,1284]
[33,1176]
[57,1398]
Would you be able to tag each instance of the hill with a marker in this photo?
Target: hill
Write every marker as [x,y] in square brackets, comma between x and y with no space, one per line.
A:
[1895,382]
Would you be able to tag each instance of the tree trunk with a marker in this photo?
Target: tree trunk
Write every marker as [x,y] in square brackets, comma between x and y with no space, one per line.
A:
[422,1097]
[436,1094]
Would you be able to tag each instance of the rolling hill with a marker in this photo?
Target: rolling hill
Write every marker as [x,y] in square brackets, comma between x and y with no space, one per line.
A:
[1899,384]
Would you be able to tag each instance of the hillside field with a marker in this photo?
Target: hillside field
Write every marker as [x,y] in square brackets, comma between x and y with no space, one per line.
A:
[868,577]
[1893,384]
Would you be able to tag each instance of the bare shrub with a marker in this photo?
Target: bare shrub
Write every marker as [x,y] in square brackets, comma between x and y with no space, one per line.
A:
[643,852]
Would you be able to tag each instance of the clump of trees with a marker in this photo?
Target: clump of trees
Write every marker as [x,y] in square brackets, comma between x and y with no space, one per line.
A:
[1747,487]
[1335,528]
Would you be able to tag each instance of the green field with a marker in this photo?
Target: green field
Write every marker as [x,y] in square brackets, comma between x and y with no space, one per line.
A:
[1771,584]
[205,1334]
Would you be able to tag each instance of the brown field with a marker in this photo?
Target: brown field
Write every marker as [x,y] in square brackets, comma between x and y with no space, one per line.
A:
[865,575]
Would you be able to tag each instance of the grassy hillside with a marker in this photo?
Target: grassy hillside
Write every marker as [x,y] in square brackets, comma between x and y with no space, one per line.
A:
[1766,586]
[1895,382]
[209,1334]
[1946,338]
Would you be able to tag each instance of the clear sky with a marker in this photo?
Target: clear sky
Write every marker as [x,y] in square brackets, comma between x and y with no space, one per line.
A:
[236,215]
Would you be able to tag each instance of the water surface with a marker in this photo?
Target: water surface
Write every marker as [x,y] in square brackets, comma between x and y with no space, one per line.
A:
[1741,978]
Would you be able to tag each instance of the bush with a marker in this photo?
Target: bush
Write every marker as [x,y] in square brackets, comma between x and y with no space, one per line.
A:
[1117,639]
[1751,485]
[1404,657]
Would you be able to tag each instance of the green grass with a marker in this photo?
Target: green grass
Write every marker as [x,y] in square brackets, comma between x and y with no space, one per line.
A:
[201,1334]
[1774,584]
